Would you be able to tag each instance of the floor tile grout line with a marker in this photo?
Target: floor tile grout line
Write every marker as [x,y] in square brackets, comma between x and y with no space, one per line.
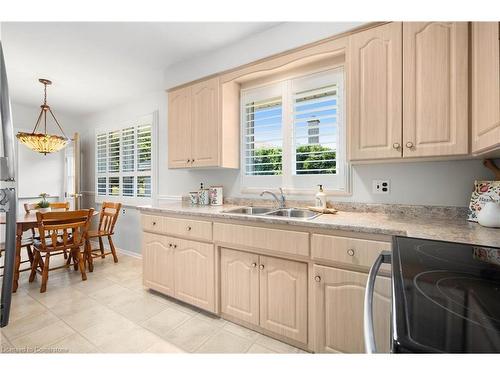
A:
[81,336]
[51,343]
[230,333]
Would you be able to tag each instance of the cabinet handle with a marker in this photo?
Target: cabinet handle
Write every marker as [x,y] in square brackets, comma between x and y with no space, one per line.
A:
[170,245]
[409,145]
[254,265]
[188,228]
[154,222]
[396,146]
[175,246]
[350,252]
[261,267]
[317,278]
[189,161]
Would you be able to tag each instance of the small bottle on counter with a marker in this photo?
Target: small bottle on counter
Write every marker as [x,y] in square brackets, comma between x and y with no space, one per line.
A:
[321,198]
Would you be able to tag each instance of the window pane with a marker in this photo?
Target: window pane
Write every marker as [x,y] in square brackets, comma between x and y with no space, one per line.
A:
[144,147]
[101,146]
[114,186]
[128,186]
[128,149]
[114,151]
[263,137]
[144,186]
[101,186]
[315,130]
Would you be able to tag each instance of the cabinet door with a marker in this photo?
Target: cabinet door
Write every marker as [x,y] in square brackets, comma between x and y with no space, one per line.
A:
[179,128]
[485,86]
[195,273]
[158,263]
[205,122]
[375,93]
[240,285]
[435,74]
[283,297]
[338,303]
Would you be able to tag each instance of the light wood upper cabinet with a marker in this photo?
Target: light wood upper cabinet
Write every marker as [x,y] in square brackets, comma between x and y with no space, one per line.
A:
[194,264]
[240,285]
[435,84]
[203,126]
[283,297]
[205,123]
[408,91]
[179,128]
[338,299]
[375,66]
[485,86]
[158,263]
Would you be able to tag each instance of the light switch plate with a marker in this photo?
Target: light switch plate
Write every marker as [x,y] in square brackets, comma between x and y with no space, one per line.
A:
[381,187]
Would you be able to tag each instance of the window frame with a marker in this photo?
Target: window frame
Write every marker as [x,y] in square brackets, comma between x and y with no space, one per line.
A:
[335,184]
[152,173]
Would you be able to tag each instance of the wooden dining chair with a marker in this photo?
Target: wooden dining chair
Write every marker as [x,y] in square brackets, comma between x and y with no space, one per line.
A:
[59,232]
[25,243]
[33,207]
[107,220]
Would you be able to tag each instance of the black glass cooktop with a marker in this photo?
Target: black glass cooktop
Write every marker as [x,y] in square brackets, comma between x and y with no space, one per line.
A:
[446,297]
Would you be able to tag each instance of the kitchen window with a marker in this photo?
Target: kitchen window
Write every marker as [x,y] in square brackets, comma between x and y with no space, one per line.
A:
[293,134]
[124,162]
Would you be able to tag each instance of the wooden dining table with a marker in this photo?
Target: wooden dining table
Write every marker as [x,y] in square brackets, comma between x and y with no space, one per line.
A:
[24,222]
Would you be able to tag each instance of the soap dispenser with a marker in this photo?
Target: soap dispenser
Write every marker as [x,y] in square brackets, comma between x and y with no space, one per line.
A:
[321,198]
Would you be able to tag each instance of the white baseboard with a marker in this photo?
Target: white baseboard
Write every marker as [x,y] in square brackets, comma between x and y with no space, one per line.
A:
[129,253]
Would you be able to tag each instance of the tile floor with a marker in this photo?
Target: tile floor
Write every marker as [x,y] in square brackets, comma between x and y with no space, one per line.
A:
[111,312]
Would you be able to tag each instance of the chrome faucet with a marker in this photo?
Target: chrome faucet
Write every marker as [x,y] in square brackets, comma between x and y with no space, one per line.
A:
[281,200]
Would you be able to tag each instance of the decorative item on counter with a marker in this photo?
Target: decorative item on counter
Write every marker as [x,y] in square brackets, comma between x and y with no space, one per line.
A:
[489,216]
[193,197]
[203,196]
[484,192]
[216,195]
[321,198]
[43,205]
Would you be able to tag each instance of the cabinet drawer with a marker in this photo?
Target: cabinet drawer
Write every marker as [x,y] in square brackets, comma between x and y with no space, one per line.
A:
[192,229]
[153,223]
[282,241]
[345,250]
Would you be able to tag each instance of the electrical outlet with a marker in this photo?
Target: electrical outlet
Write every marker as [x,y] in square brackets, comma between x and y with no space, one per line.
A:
[381,187]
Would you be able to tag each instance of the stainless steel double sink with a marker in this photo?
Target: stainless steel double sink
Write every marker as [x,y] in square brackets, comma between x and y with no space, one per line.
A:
[296,213]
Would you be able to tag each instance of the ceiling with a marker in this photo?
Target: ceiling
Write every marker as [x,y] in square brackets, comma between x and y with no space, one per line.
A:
[95,65]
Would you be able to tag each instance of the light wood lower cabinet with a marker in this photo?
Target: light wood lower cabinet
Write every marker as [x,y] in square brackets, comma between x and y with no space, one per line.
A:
[338,299]
[180,268]
[283,297]
[158,263]
[265,291]
[195,273]
[240,285]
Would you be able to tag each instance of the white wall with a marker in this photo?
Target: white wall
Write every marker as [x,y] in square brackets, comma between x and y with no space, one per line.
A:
[446,183]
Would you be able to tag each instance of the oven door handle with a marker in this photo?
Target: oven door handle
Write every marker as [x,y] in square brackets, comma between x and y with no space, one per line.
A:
[369,333]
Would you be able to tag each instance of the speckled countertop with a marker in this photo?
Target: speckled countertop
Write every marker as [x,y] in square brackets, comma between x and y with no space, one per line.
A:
[455,230]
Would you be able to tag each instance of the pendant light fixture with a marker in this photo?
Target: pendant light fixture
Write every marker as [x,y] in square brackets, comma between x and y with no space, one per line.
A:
[42,142]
